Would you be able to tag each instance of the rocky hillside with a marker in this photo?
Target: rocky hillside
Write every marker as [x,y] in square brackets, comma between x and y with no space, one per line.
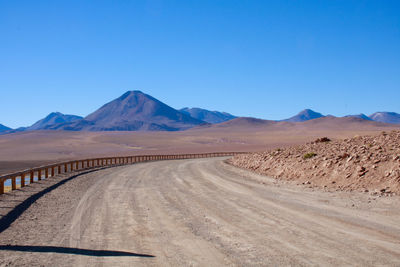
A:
[363,163]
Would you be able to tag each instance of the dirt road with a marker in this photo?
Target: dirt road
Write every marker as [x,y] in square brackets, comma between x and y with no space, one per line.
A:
[200,212]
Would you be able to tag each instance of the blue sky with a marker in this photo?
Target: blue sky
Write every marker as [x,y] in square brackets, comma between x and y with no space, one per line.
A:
[266,59]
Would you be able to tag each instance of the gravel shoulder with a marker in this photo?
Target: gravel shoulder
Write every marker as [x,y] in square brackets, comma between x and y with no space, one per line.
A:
[200,212]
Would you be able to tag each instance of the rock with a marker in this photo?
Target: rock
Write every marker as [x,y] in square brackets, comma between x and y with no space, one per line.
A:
[360,169]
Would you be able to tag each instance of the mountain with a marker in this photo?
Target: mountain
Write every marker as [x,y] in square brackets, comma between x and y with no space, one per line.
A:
[305,115]
[53,120]
[361,116]
[207,115]
[4,128]
[387,117]
[134,111]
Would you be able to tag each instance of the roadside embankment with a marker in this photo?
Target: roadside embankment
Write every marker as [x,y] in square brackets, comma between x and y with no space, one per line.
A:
[363,163]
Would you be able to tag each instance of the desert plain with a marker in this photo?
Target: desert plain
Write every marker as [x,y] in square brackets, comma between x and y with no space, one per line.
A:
[199,212]
[34,148]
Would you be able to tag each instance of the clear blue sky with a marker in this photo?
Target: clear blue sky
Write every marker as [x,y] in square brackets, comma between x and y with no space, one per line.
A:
[267,59]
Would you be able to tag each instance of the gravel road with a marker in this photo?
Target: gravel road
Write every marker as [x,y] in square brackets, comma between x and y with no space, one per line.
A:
[200,212]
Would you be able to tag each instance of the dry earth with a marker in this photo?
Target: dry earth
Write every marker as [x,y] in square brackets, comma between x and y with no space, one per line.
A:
[366,163]
[20,150]
[200,212]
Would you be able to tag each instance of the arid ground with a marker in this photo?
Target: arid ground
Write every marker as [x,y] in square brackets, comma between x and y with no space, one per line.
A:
[27,149]
[200,212]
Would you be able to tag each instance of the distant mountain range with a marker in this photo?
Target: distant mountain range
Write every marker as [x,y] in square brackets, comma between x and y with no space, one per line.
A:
[305,115]
[134,111]
[208,116]
[4,128]
[53,119]
[361,116]
[137,111]
[388,117]
[385,117]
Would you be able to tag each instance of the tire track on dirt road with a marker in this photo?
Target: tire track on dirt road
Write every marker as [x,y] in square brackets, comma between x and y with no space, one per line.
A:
[204,212]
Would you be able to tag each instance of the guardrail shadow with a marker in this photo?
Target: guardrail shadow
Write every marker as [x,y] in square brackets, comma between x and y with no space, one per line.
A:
[11,216]
[73,251]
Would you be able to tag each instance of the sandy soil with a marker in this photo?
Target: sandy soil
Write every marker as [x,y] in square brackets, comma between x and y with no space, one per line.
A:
[19,150]
[200,212]
[16,165]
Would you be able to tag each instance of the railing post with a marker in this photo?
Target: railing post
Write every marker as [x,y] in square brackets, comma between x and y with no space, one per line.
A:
[46,173]
[53,171]
[13,183]
[23,180]
[1,186]
[32,177]
[39,175]
[65,167]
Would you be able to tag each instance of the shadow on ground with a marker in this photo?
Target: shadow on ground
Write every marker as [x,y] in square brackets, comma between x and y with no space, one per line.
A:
[10,217]
[74,251]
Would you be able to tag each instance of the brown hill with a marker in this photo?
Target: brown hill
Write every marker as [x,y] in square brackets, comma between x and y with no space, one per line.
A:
[369,163]
[319,124]
[245,122]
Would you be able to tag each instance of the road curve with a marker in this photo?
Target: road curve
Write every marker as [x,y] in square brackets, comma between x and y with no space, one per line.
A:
[201,212]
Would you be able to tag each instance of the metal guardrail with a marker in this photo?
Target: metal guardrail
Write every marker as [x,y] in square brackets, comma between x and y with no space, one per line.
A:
[76,165]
